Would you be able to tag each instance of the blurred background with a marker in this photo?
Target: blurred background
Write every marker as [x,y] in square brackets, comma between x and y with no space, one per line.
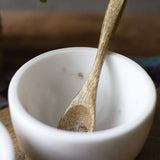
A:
[30,28]
[98,6]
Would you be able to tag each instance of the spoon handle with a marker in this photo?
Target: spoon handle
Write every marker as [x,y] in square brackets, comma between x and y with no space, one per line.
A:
[110,22]
[112,16]
[80,115]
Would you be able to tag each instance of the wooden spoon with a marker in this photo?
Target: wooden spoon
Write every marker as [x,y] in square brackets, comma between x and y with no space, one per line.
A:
[80,115]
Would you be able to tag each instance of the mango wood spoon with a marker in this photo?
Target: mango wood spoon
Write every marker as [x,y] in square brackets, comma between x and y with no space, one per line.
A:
[80,115]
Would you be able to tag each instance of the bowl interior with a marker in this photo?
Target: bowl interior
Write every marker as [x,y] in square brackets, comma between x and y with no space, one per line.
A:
[50,81]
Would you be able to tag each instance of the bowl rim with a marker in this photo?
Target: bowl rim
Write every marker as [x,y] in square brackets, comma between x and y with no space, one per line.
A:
[6,143]
[17,109]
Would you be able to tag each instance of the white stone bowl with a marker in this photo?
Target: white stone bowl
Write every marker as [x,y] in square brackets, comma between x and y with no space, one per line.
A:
[42,88]
[6,145]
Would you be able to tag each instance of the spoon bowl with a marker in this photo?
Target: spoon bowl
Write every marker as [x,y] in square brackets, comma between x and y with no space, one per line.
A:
[80,123]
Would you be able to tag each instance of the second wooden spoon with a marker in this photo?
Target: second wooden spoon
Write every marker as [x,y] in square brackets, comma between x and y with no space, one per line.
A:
[80,115]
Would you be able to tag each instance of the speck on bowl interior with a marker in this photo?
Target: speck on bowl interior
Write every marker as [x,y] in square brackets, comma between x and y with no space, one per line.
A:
[42,89]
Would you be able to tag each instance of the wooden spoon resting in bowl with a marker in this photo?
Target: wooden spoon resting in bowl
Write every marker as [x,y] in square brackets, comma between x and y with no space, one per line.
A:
[80,115]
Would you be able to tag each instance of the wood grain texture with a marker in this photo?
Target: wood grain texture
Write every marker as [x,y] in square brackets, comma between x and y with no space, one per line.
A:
[150,151]
[6,120]
[27,34]
[80,114]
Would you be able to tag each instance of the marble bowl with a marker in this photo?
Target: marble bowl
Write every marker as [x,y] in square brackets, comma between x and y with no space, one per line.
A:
[42,88]
[6,145]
